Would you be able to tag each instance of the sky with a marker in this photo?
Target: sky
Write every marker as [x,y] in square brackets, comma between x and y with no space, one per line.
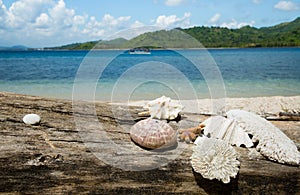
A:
[44,23]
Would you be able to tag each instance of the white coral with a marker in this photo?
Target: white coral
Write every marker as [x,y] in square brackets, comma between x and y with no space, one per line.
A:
[272,142]
[164,108]
[214,159]
[226,129]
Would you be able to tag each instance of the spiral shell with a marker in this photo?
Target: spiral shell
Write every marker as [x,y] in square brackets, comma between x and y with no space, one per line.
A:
[152,133]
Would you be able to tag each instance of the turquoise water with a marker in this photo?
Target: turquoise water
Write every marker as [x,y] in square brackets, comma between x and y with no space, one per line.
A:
[119,75]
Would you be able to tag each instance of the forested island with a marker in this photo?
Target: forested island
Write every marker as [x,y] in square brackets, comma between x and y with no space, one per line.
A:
[282,35]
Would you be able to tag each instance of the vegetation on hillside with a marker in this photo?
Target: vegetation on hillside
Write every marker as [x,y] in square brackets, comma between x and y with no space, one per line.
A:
[163,39]
[76,46]
[281,35]
[115,43]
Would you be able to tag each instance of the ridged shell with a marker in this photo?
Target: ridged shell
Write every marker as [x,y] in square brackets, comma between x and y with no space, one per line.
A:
[152,133]
[272,142]
[214,159]
[226,129]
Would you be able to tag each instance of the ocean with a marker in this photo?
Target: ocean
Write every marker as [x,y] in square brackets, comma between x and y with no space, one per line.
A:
[116,75]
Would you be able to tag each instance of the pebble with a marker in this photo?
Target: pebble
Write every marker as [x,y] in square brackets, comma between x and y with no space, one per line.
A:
[31,119]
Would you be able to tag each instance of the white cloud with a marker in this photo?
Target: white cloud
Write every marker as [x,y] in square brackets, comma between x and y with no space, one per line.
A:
[106,26]
[174,2]
[234,24]
[61,15]
[215,18]
[43,22]
[79,20]
[286,6]
[3,13]
[173,21]
[24,11]
[37,23]
[111,21]
[136,24]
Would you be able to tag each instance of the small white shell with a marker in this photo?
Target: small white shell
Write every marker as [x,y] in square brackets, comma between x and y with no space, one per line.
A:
[272,142]
[214,159]
[153,133]
[226,129]
[164,108]
[31,119]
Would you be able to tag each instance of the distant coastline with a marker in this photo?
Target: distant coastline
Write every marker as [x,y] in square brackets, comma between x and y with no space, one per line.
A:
[281,35]
[157,49]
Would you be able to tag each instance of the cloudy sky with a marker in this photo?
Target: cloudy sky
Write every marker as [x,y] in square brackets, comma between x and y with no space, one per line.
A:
[39,23]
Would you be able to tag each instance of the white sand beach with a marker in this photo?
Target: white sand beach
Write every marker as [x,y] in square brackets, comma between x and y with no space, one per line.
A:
[259,105]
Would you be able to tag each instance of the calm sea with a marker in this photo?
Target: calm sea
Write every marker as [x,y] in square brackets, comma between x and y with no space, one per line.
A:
[187,74]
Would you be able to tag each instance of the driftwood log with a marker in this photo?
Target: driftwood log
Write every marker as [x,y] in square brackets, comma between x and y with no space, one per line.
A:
[52,157]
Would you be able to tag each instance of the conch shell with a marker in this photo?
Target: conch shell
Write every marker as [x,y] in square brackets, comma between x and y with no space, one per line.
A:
[164,108]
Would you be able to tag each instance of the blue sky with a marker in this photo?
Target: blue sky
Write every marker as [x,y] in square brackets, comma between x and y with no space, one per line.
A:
[38,23]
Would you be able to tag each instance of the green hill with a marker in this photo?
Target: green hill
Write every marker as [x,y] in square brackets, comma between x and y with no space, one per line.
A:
[115,43]
[282,35]
[163,39]
[75,46]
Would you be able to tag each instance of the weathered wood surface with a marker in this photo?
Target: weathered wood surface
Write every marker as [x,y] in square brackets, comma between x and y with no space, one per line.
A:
[51,157]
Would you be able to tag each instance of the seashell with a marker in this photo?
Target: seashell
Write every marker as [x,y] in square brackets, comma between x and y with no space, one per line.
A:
[214,159]
[31,119]
[226,129]
[152,133]
[164,108]
[272,142]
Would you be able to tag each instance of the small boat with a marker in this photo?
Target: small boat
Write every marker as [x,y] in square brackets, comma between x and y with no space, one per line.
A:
[140,50]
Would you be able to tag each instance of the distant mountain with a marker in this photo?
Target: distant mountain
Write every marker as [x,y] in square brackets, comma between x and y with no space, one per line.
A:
[74,46]
[282,35]
[163,39]
[14,48]
[102,44]
[115,43]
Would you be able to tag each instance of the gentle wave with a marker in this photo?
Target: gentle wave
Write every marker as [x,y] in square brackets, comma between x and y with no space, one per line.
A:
[246,73]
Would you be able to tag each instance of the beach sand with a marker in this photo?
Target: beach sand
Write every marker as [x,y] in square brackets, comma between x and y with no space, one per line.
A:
[259,105]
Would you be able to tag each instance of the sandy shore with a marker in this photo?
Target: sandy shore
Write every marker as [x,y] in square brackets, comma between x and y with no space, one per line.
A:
[259,105]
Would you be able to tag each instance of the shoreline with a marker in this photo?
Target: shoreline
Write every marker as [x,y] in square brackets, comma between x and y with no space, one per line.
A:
[125,49]
[259,105]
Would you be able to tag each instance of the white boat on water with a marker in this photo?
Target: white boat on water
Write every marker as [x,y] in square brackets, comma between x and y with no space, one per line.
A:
[140,50]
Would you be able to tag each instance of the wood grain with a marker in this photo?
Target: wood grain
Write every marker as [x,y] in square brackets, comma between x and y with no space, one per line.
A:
[53,157]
